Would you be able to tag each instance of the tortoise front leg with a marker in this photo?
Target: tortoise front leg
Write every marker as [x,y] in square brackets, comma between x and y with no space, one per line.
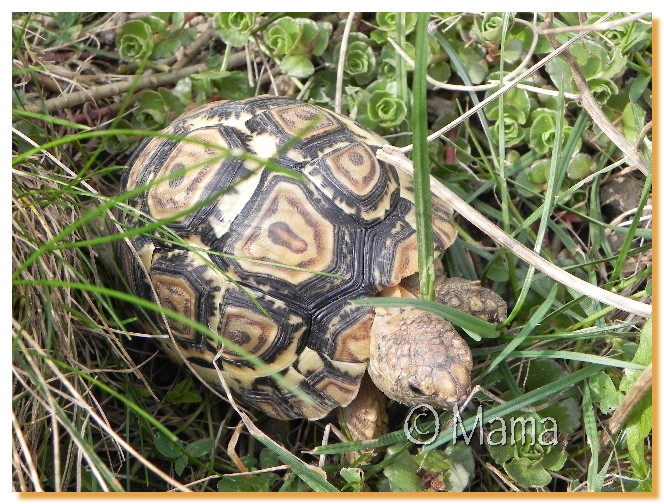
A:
[465,295]
[470,297]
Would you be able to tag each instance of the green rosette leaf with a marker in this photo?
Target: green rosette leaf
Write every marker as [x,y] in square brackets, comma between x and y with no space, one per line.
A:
[386,109]
[234,28]
[135,40]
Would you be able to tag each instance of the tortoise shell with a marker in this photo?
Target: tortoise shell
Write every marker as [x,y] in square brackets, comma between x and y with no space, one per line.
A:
[269,261]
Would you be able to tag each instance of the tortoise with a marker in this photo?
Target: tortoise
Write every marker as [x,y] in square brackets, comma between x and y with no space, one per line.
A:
[273,262]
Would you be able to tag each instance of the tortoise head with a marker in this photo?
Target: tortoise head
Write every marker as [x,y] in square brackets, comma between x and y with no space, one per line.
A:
[419,358]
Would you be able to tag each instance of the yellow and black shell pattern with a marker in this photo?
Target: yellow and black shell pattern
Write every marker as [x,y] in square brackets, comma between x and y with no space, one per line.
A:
[268,261]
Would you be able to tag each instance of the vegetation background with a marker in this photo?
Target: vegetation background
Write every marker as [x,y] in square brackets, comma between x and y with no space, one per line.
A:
[561,162]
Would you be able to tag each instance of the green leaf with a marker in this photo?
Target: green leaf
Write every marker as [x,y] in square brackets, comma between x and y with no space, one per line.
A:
[184,393]
[512,50]
[388,60]
[441,72]
[538,173]
[528,473]
[602,89]
[632,121]
[514,132]
[282,35]
[353,476]
[639,423]
[174,103]
[516,105]
[200,447]
[180,465]
[643,356]
[604,391]
[387,25]
[165,48]
[462,472]
[65,19]
[121,142]
[268,459]
[158,22]
[638,86]
[234,484]
[566,410]
[402,473]
[434,465]
[592,437]
[289,36]
[580,166]
[474,63]
[177,20]
[554,457]
[322,88]
[637,429]
[453,468]
[598,63]
[323,32]
[500,452]
[541,133]
[152,112]
[360,62]
[298,66]
[232,85]
[168,448]
[489,28]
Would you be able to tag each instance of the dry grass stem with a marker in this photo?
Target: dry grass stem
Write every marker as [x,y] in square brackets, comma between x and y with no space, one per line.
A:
[595,27]
[342,60]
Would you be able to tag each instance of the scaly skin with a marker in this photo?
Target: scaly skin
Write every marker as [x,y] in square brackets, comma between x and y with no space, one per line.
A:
[419,358]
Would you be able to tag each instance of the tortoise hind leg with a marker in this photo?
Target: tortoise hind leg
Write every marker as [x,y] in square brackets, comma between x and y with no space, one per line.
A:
[366,416]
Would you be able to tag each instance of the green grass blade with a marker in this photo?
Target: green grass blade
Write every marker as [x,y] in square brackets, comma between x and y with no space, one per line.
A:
[555,178]
[401,66]
[421,170]
[627,244]
[578,357]
[527,329]
[590,427]
[454,316]
[50,119]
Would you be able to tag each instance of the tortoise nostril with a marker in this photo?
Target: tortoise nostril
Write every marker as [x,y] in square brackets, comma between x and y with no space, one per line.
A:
[415,389]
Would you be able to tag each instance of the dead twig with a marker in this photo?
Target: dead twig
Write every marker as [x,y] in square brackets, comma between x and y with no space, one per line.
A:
[118,88]
[206,35]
